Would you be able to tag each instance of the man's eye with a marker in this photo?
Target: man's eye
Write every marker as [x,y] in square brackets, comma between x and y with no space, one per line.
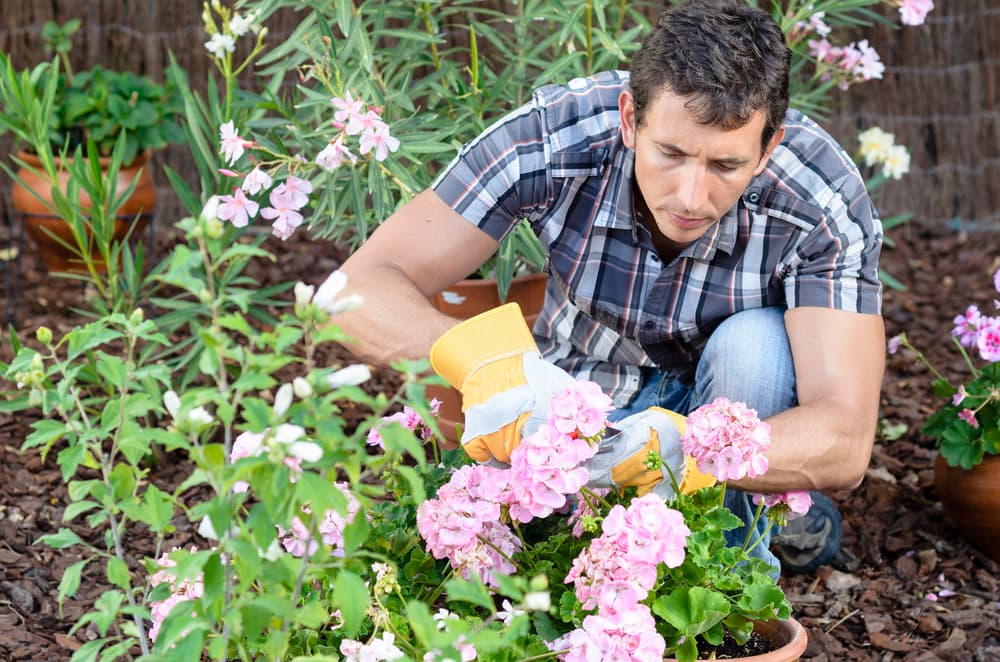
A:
[725,167]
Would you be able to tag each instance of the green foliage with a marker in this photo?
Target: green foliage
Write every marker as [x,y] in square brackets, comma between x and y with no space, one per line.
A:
[98,104]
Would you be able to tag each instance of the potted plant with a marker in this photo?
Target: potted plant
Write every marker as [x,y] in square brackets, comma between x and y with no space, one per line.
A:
[58,115]
[966,429]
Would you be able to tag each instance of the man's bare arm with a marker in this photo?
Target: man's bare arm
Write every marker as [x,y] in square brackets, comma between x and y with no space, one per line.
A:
[826,441]
[421,249]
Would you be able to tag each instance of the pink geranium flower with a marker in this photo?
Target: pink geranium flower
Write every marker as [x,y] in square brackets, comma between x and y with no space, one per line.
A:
[230,142]
[727,440]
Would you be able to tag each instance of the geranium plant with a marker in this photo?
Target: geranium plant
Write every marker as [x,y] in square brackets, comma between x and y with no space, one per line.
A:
[629,576]
[966,427]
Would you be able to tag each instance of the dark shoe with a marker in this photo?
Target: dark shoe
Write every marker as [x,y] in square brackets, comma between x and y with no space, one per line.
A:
[810,541]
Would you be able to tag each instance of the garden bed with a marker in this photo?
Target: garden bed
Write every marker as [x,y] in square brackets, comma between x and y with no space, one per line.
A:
[875,609]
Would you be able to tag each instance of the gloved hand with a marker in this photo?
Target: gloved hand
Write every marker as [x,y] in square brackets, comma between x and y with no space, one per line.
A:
[621,458]
[506,386]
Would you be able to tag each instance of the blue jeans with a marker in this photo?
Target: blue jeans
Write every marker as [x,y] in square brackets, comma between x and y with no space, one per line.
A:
[748,359]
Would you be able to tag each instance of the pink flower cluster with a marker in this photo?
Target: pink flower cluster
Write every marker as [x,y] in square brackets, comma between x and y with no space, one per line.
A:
[615,573]
[352,118]
[856,62]
[973,329]
[628,636]
[409,419]
[463,522]
[619,567]
[299,541]
[376,650]
[180,591]
[727,440]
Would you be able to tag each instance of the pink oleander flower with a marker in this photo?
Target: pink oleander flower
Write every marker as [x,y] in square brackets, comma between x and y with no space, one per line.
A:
[283,213]
[369,122]
[347,108]
[296,190]
[380,140]
[894,344]
[583,407]
[256,181]
[230,142]
[237,208]
[727,440]
[334,154]
[914,12]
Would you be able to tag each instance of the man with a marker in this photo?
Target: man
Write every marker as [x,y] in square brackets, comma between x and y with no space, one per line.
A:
[701,241]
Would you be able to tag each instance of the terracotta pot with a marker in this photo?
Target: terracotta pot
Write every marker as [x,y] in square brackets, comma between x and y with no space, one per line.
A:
[971,497]
[788,639]
[465,299]
[40,223]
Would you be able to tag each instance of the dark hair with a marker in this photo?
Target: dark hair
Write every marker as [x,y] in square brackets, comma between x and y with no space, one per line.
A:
[730,59]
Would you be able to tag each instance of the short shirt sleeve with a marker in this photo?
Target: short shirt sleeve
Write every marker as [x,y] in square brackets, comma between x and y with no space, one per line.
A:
[501,176]
[835,265]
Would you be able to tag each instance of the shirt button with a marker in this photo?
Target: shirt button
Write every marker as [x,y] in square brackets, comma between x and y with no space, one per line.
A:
[754,197]
[654,257]
[650,324]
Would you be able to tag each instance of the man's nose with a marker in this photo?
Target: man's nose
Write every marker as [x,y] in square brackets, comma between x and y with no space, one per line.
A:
[694,190]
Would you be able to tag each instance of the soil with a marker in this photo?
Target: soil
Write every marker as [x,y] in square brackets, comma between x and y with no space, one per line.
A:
[878,605]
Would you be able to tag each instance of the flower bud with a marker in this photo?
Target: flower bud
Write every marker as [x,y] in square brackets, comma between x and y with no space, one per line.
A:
[136,317]
[211,209]
[205,296]
[303,293]
[352,375]
[283,399]
[537,601]
[44,335]
[301,388]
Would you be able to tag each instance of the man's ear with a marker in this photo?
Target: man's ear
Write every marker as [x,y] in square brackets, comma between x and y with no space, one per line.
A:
[775,140]
[626,110]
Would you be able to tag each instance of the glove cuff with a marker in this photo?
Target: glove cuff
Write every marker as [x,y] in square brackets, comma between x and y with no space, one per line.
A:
[693,478]
[469,345]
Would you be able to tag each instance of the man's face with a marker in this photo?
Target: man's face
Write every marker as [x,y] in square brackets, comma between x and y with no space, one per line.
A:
[690,174]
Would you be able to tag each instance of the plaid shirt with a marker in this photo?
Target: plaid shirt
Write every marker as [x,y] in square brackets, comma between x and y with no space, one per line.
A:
[804,233]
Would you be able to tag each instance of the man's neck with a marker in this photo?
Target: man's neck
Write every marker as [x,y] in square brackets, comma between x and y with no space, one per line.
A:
[666,248]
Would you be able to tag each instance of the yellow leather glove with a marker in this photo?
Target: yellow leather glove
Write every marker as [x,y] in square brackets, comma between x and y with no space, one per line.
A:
[621,459]
[506,386]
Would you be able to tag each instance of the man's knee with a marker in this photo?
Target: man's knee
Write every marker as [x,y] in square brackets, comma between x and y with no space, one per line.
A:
[748,358]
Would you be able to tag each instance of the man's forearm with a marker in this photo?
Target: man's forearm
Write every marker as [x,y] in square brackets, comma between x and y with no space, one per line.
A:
[815,447]
[395,320]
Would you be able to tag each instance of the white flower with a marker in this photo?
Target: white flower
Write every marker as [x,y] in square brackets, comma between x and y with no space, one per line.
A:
[219,44]
[508,612]
[538,601]
[206,530]
[289,435]
[211,209]
[172,403]
[303,293]
[352,375]
[240,25]
[199,416]
[897,163]
[875,145]
[350,302]
[330,288]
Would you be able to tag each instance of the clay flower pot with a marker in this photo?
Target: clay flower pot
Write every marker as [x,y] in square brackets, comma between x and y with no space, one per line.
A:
[788,639]
[467,298]
[40,223]
[971,497]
